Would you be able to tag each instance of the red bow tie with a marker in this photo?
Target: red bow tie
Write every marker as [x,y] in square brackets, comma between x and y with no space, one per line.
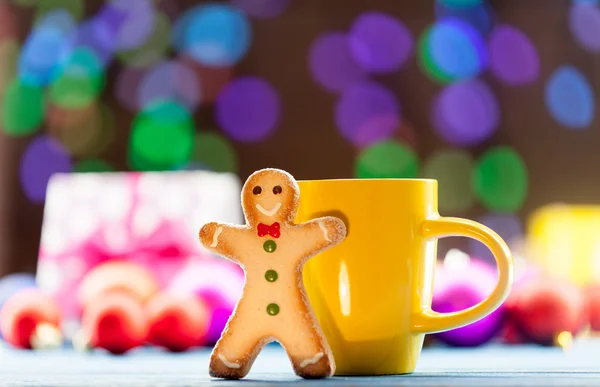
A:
[273,230]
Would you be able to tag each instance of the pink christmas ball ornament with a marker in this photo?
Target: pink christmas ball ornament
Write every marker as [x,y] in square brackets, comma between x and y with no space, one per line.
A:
[219,283]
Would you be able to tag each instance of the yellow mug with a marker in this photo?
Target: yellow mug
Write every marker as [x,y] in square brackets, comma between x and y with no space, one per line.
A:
[372,293]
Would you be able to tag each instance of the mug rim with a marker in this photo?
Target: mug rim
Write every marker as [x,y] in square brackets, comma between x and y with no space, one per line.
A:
[349,180]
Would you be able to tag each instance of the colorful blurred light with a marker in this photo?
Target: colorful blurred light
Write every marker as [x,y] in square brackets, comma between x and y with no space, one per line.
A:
[75,7]
[80,80]
[508,226]
[452,169]
[97,36]
[43,157]
[162,137]
[170,80]
[513,57]
[263,9]
[570,98]
[460,3]
[22,108]
[367,113]
[42,50]
[136,22]
[466,113]
[154,48]
[500,179]
[59,19]
[92,165]
[388,159]
[479,15]
[26,3]
[248,109]
[584,22]
[331,63]
[85,131]
[379,42]
[214,152]
[9,52]
[214,34]
[452,50]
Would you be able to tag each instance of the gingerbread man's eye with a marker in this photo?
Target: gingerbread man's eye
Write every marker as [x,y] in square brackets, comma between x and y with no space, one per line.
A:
[277,189]
[257,190]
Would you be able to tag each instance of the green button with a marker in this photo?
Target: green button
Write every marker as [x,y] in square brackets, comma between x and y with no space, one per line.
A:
[271,275]
[270,246]
[273,309]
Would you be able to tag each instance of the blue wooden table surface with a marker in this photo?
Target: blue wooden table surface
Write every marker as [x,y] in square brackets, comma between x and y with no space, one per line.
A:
[482,367]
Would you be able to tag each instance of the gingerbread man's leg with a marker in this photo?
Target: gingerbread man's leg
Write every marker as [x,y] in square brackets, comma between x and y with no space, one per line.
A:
[235,351]
[308,351]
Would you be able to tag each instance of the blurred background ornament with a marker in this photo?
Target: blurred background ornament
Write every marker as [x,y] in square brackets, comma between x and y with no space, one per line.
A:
[549,311]
[31,319]
[177,322]
[462,282]
[115,321]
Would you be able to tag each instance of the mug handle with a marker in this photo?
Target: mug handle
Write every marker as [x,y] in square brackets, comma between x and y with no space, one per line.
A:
[428,321]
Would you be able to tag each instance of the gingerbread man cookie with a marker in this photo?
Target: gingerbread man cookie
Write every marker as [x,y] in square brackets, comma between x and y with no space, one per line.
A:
[272,250]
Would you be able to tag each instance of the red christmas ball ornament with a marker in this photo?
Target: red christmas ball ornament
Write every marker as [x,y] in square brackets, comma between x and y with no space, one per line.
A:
[117,276]
[30,319]
[177,322]
[547,310]
[592,295]
[115,321]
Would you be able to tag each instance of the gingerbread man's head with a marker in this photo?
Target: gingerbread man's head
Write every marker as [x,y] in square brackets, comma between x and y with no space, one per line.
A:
[270,195]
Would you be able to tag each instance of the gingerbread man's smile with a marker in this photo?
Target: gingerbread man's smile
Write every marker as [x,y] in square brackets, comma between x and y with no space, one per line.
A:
[270,212]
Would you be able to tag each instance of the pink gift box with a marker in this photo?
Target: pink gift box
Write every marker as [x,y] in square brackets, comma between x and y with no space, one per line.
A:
[149,218]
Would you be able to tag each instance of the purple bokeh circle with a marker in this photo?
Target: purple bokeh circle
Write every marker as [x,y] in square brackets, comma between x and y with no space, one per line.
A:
[367,113]
[584,22]
[466,113]
[513,57]
[331,63]
[137,19]
[379,42]
[97,35]
[262,9]
[508,226]
[170,80]
[248,109]
[43,157]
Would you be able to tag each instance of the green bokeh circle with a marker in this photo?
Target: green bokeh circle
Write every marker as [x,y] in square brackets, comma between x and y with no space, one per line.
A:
[26,3]
[74,7]
[154,48]
[453,170]
[92,165]
[388,159]
[426,62]
[215,152]
[500,179]
[80,81]
[162,137]
[23,109]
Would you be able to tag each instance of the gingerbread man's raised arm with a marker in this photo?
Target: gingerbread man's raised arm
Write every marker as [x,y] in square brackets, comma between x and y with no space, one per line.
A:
[325,232]
[221,239]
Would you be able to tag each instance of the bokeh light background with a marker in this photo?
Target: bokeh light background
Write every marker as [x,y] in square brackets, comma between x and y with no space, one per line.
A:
[496,101]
